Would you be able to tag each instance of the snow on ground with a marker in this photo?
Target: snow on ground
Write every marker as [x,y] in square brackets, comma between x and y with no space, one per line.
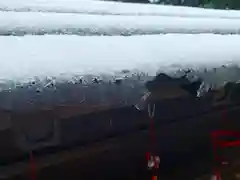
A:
[115,8]
[15,23]
[41,56]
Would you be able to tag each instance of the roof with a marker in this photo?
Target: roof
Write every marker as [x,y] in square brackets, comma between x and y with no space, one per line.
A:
[73,69]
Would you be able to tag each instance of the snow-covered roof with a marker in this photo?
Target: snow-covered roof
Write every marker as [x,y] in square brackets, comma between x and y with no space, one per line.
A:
[115,8]
[15,23]
[48,61]
[30,56]
[55,69]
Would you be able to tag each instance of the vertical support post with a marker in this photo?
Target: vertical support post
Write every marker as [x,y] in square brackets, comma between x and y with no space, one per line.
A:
[32,167]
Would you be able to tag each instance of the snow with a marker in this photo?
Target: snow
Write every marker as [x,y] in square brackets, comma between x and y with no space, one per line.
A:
[115,8]
[57,63]
[15,23]
[40,56]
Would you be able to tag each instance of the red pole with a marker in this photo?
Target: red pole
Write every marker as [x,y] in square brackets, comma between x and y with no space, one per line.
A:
[215,156]
[151,155]
[215,144]
[32,167]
